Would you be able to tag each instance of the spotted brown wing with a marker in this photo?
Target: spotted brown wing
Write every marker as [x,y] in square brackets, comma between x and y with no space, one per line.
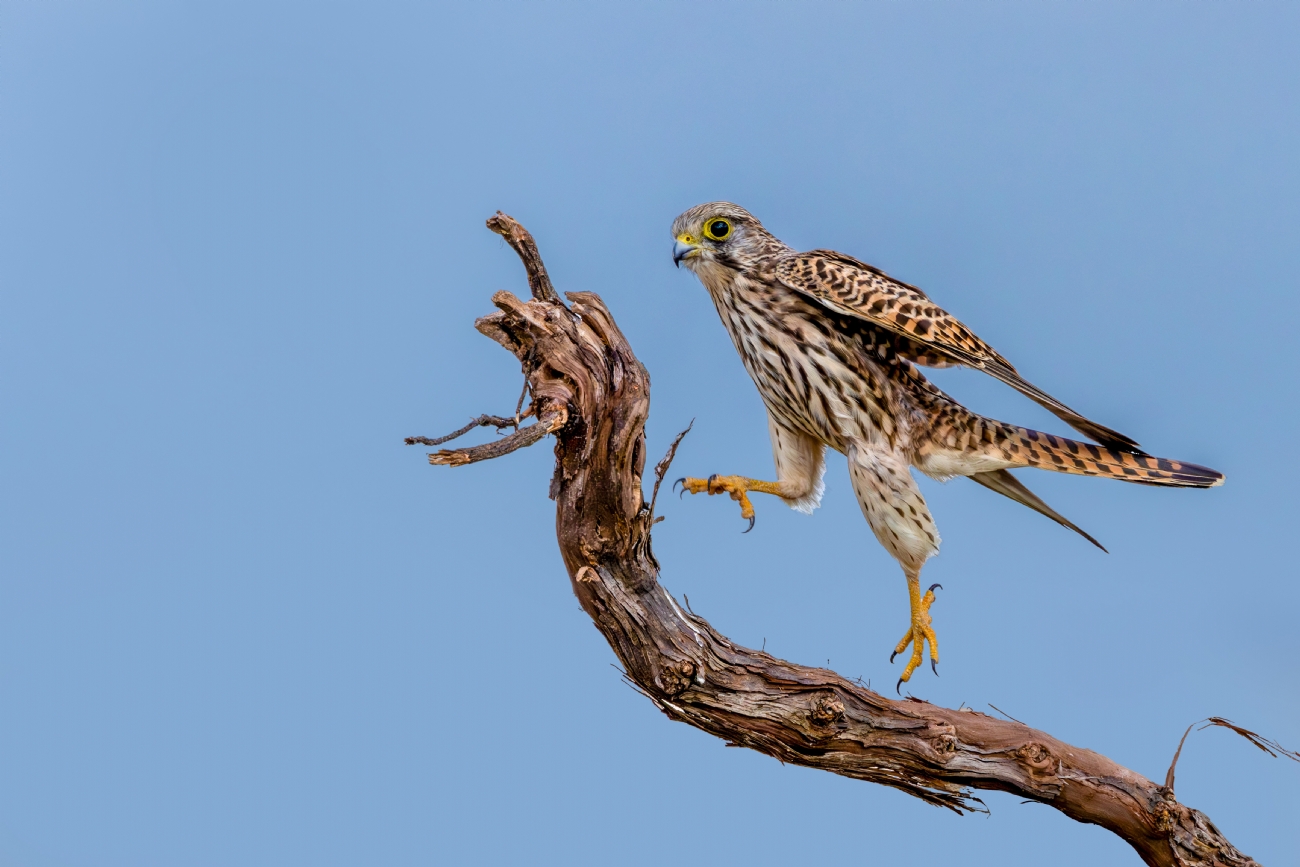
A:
[845,285]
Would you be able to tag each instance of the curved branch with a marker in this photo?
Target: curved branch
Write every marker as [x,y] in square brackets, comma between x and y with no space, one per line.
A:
[590,389]
[519,239]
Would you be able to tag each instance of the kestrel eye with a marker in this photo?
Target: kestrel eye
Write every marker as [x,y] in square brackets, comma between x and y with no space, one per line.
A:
[717,230]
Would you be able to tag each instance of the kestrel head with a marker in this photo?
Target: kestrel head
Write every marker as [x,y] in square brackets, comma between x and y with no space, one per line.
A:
[721,234]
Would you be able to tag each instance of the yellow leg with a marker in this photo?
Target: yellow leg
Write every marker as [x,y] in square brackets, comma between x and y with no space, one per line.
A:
[737,486]
[920,631]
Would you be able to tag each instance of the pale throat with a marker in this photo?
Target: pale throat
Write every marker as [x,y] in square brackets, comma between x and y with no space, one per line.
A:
[717,278]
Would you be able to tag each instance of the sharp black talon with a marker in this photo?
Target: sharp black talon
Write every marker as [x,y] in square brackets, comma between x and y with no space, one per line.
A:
[682,482]
[710,484]
[932,586]
[891,657]
[751,526]
[934,667]
[898,687]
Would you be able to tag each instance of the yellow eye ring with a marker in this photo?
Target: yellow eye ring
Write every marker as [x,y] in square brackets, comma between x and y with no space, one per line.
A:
[717,229]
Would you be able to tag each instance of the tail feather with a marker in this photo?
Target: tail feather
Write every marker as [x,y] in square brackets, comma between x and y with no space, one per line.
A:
[1030,448]
[1009,486]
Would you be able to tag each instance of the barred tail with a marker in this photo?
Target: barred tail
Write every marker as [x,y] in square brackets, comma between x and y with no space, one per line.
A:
[984,450]
[1022,447]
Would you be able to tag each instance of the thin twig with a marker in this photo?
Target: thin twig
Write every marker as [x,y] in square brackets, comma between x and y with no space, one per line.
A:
[1169,775]
[497,421]
[1004,713]
[661,468]
[1272,747]
[520,405]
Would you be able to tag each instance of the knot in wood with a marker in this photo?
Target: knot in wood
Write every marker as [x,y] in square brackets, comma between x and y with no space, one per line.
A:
[675,678]
[1037,756]
[1163,815]
[827,710]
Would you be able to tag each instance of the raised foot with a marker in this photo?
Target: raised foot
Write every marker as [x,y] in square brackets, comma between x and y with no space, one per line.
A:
[737,486]
[917,635]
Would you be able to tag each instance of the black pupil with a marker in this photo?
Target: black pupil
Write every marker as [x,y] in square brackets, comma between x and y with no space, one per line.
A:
[718,229]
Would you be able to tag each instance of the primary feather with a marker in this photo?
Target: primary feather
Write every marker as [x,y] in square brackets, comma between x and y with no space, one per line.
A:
[845,285]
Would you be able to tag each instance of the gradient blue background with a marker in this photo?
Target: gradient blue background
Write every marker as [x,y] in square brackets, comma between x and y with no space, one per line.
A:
[241,251]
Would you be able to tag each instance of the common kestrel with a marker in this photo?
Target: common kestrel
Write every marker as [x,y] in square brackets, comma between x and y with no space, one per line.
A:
[833,345]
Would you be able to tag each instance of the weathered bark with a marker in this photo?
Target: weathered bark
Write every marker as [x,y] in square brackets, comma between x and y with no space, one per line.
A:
[594,395]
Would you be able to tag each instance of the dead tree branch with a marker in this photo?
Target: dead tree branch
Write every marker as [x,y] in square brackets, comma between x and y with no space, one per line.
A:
[589,390]
[539,283]
[496,421]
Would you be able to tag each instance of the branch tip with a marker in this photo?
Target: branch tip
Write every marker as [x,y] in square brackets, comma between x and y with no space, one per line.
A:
[521,241]
[1272,747]
[661,468]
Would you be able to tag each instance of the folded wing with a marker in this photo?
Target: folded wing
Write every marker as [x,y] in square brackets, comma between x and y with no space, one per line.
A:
[845,285]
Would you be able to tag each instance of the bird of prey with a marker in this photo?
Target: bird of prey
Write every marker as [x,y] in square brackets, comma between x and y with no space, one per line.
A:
[833,345]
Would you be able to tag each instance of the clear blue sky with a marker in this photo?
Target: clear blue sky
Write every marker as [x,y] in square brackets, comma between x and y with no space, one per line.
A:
[241,251]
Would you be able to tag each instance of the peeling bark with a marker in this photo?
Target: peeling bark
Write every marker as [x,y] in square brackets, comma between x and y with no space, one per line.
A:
[591,392]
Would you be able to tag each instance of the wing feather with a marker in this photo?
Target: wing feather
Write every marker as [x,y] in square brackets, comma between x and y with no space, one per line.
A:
[845,285]
[1009,486]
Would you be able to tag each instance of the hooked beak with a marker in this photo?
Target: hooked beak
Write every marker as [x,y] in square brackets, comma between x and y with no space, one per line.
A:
[681,250]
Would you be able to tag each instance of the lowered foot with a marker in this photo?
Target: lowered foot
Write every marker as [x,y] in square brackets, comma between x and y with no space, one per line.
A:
[918,634]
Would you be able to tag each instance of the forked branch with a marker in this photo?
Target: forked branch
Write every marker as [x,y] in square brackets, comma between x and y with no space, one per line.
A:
[591,392]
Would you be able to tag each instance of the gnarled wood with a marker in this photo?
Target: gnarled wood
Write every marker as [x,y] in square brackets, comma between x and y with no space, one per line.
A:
[591,391]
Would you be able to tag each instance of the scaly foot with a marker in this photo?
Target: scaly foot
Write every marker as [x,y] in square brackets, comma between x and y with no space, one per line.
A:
[737,486]
[919,633]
